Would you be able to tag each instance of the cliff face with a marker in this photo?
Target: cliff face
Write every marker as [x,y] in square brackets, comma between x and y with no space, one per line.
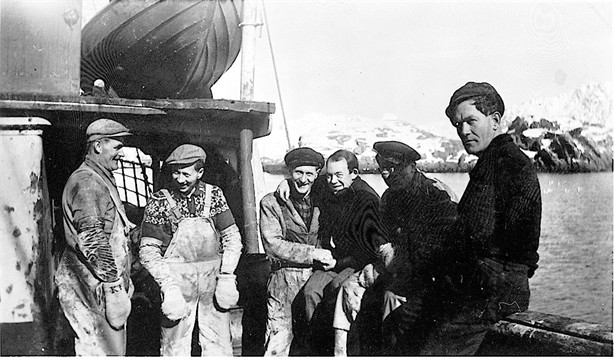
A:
[569,133]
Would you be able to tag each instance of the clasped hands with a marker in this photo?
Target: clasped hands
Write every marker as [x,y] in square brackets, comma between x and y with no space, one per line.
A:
[324,257]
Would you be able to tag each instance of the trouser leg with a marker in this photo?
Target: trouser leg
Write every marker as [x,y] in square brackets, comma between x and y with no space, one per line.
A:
[214,324]
[461,336]
[283,286]
[314,290]
[177,340]
[95,337]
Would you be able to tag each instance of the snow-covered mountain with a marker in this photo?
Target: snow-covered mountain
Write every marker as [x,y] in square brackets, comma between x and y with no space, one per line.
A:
[571,132]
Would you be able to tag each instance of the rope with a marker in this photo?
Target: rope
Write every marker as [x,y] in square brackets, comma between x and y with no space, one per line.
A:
[281,103]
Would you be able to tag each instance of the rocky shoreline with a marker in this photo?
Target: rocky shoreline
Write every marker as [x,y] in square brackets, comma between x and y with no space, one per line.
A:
[571,133]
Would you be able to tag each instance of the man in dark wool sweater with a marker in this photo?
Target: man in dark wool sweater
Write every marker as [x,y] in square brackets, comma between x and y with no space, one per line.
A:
[350,227]
[492,249]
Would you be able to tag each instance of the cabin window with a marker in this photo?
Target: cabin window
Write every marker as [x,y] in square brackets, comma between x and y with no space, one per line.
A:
[134,177]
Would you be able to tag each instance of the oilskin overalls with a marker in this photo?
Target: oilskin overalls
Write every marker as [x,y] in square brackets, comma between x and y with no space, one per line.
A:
[193,257]
[285,281]
[81,294]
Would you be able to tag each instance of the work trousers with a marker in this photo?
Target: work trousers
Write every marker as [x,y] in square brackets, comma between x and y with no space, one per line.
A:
[284,284]
[198,281]
[317,299]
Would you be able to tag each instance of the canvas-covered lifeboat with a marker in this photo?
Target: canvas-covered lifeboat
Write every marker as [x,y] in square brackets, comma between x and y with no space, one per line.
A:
[156,49]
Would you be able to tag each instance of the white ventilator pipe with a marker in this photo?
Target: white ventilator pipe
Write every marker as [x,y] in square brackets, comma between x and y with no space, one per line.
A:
[23,235]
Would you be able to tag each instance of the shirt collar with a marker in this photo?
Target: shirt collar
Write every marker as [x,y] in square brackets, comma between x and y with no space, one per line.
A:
[105,173]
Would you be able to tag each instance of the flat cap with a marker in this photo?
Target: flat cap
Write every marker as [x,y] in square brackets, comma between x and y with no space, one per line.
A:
[471,90]
[103,128]
[185,155]
[304,156]
[396,152]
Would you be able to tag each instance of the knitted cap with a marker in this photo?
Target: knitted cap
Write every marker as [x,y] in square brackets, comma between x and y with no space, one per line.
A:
[303,156]
[471,90]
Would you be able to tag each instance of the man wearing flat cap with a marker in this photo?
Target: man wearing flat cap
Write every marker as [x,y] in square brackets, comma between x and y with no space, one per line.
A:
[493,247]
[93,276]
[416,212]
[289,230]
[191,246]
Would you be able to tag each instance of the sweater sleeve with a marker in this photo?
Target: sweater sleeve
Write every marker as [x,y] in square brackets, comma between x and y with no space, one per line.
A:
[90,203]
[273,232]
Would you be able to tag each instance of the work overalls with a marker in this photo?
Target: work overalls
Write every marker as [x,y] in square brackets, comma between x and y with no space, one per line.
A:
[193,256]
[81,294]
[285,281]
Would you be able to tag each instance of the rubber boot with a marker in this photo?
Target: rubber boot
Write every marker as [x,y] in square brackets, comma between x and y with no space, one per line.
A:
[341,340]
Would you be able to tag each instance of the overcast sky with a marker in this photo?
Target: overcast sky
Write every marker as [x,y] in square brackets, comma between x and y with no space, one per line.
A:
[403,59]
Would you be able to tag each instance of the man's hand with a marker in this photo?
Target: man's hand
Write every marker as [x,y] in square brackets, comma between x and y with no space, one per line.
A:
[322,255]
[226,293]
[352,296]
[386,253]
[330,264]
[174,305]
[117,303]
[284,190]
[367,276]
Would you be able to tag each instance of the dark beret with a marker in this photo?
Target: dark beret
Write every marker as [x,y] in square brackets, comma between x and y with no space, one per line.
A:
[185,155]
[471,90]
[396,152]
[303,156]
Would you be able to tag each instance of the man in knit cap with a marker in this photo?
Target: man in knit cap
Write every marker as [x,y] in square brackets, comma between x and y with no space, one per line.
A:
[289,231]
[191,246]
[492,251]
[93,276]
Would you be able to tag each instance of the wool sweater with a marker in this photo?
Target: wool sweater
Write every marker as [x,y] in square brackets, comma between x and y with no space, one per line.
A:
[350,225]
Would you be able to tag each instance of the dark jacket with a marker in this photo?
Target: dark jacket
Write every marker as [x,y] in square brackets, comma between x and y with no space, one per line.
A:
[350,225]
[418,217]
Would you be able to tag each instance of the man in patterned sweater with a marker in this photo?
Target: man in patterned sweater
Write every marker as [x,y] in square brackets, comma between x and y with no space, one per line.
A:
[289,231]
[493,248]
[191,246]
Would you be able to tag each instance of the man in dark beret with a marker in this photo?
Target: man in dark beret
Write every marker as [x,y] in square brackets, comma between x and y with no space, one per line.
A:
[93,276]
[191,245]
[289,229]
[417,212]
[493,247]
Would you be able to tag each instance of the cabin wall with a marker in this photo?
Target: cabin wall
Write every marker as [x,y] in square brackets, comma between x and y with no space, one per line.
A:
[41,44]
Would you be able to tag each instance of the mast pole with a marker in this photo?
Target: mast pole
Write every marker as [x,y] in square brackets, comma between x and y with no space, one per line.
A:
[246,136]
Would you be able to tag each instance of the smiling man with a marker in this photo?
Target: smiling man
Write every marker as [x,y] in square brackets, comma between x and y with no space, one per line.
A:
[93,276]
[289,229]
[191,246]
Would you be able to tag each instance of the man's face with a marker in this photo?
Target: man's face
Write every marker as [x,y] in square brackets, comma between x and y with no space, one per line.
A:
[339,176]
[186,178]
[385,167]
[475,130]
[110,151]
[303,178]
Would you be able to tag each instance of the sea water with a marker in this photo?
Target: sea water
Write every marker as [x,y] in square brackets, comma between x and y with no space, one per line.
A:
[574,278]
